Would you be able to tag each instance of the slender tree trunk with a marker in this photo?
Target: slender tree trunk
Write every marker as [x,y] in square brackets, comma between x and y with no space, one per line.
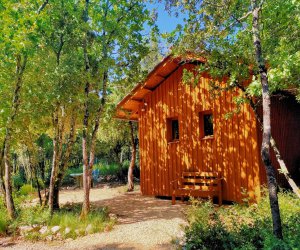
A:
[39,190]
[64,162]
[132,161]
[2,190]
[265,149]
[56,194]
[54,160]
[86,186]
[97,124]
[34,176]
[2,187]
[7,181]
[20,67]
[284,169]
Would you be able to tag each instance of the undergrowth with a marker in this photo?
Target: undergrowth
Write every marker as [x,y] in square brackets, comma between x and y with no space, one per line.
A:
[242,226]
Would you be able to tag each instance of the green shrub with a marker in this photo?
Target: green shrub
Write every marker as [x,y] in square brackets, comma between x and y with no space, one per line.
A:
[3,220]
[107,169]
[26,190]
[41,183]
[125,164]
[242,226]
[18,181]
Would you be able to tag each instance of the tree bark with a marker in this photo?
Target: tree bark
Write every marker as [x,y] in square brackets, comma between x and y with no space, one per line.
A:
[266,101]
[34,176]
[54,168]
[2,186]
[283,168]
[7,181]
[132,161]
[97,124]
[20,67]
[88,158]
[86,186]
[64,162]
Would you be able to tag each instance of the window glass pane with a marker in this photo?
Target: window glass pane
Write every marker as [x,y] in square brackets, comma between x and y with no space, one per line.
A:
[175,130]
[208,124]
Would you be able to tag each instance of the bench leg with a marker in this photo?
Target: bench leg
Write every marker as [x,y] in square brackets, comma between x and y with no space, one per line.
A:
[173,199]
[220,199]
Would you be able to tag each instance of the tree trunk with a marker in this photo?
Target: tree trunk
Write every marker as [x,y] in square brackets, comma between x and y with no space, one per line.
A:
[97,124]
[265,149]
[54,161]
[20,67]
[7,181]
[39,190]
[284,169]
[2,187]
[64,162]
[132,161]
[86,186]
[56,194]
[34,175]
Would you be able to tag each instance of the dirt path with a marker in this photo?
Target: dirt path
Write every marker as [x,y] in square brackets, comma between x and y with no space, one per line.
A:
[143,222]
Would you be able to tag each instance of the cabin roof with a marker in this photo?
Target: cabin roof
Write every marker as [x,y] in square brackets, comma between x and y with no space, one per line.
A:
[128,107]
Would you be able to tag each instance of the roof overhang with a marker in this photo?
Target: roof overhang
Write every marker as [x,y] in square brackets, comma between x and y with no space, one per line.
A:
[128,108]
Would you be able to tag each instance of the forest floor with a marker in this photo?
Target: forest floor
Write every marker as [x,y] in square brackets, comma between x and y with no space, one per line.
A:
[143,222]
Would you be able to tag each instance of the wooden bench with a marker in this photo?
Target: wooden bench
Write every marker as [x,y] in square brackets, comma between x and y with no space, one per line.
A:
[197,184]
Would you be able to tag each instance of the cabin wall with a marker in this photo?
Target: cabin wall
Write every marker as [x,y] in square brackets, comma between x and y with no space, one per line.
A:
[233,150]
[285,122]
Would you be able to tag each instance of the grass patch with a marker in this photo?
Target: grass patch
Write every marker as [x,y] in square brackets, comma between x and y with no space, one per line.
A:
[67,218]
[242,226]
[26,189]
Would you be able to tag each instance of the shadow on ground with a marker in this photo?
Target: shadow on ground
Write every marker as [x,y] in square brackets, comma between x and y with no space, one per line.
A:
[133,208]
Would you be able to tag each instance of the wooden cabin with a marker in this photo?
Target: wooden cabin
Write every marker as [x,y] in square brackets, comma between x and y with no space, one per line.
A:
[182,128]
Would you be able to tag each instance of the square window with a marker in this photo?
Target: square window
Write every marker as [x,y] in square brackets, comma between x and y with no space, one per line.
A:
[206,124]
[172,129]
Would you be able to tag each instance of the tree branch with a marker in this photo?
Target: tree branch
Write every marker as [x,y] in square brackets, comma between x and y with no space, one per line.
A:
[42,6]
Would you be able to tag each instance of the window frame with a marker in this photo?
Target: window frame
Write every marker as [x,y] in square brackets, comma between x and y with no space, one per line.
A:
[201,124]
[170,132]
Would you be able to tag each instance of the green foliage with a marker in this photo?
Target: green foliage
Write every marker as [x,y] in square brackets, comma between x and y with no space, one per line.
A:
[242,226]
[106,168]
[18,180]
[26,189]
[222,32]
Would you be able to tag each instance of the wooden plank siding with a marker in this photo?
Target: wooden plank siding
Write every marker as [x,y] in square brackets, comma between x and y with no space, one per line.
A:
[285,122]
[233,151]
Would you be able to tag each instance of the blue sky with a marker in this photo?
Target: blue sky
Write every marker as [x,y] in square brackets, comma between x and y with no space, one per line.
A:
[165,22]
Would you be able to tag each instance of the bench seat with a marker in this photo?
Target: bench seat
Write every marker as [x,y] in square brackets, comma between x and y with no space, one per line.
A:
[197,184]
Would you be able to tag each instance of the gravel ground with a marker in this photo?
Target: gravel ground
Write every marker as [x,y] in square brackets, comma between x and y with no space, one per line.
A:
[143,223]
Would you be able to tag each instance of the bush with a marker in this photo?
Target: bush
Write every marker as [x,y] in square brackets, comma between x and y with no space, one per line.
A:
[107,169]
[3,220]
[18,181]
[241,226]
[26,190]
